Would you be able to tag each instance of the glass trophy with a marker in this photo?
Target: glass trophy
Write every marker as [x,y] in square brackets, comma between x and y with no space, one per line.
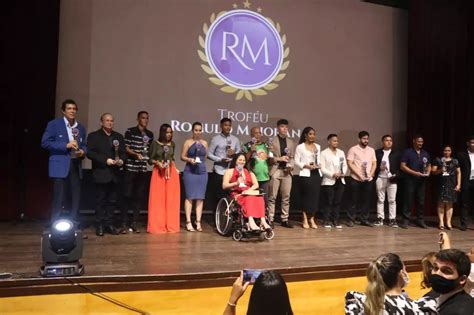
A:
[146,140]
[116,144]
[364,170]
[444,167]
[166,149]
[198,145]
[425,167]
[269,145]
[240,169]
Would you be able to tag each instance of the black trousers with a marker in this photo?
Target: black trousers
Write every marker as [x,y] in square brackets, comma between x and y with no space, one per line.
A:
[60,189]
[360,192]
[467,202]
[220,193]
[134,192]
[414,190]
[308,192]
[333,197]
[263,186]
[106,202]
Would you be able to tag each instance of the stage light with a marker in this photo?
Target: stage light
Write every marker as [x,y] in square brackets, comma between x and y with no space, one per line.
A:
[61,248]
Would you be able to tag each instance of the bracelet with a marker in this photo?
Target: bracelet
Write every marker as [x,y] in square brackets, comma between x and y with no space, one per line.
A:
[231,305]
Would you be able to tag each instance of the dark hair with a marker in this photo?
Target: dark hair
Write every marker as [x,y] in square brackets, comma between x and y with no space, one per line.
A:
[304,134]
[427,267]
[196,123]
[417,135]
[269,296]
[68,101]
[470,138]
[382,275]
[363,133]
[234,159]
[282,122]
[456,257]
[225,119]
[386,136]
[142,112]
[331,135]
[162,136]
[447,146]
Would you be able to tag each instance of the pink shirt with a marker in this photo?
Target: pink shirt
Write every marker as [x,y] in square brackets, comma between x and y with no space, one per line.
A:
[360,155]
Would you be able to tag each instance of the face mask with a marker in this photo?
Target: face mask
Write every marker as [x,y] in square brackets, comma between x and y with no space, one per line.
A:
[442,285]
[406,278]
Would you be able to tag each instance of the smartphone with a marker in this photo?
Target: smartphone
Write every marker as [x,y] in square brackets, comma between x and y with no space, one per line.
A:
[250,275]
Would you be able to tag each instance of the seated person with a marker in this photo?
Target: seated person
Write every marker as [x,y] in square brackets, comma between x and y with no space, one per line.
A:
[269,295]
[384,294]
[244,188]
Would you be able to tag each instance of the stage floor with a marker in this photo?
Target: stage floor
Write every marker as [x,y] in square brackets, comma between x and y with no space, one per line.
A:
[200,255]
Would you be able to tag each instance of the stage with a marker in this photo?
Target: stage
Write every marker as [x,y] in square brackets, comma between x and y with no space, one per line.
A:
[195,260]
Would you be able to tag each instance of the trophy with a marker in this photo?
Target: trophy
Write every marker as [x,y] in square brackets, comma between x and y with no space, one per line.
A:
[252,142]
[166,149]
[75,136]
[364,170]
[198,145]
[425,167]
[116,144]
[240,169]
[146,139]
[445,167]
[269,144]
[341,165]
[383,167]
[316,157]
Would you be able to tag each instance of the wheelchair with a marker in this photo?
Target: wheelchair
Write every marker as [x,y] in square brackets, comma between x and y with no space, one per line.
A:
[230,220]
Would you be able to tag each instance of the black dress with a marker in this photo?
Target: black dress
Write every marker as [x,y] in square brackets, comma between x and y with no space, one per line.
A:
[447,182]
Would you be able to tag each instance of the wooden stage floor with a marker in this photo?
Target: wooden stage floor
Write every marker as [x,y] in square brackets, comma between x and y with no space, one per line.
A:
[175,258]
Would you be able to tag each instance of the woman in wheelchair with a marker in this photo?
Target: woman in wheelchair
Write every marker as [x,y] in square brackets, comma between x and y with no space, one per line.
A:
[244,188]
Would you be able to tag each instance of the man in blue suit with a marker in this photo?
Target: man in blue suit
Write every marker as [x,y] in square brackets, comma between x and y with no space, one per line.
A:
[65,138]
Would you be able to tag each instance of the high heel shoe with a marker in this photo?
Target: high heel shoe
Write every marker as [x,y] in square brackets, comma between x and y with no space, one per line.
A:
[189,227]
[198,226]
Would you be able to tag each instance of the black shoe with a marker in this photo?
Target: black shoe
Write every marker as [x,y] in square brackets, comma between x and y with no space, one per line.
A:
[366,223]
[404,224]
[123,229]
[286,224]
[350,223]
[378,222]
[134,227]
[463,227]
[393,223]
[99,230]
[327,224]
[337,225]
[111,229]
[421,224]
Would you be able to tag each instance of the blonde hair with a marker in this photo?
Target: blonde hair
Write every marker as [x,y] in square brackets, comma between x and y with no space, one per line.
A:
[382,274]
[427,267]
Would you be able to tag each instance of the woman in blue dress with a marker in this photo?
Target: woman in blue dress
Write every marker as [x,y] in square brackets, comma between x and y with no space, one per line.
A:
[194,153]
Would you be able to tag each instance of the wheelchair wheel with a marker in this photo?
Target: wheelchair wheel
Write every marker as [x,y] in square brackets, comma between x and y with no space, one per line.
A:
[237,235]
[269,235]
[223,217]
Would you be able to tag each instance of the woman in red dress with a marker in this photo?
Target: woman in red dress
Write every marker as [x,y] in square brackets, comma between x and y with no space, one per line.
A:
[244,186]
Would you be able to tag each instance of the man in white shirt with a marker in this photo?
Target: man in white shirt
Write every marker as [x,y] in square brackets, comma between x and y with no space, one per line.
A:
[466,163]
[388,166]
[333,167]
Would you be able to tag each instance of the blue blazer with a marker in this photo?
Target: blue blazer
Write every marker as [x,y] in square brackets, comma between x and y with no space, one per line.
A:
[55,139]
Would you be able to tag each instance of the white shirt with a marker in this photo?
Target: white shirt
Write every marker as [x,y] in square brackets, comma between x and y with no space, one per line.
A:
[69,128]
[304,157]
[384,174]
[331,163]
[471,157]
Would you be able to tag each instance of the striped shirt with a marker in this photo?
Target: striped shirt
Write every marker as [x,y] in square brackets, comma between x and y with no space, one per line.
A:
[134,141]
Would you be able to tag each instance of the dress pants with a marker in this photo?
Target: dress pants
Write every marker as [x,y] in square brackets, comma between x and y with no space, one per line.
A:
[360,200]
[333,195]
[385,187]
[280,182]
[467,200]
[414,190]
[106,202]
[60,189]
[135,190]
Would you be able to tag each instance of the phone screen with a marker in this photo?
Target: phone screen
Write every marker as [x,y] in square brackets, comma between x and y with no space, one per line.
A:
[250,275]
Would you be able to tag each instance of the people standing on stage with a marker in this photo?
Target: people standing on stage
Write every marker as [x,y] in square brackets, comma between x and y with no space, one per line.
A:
[449,184]
[307,178]
[362,163]
[164,199]
[221,149]
[65,139]
[280,173]
[106,150]
[194,153]
[466,163]
[257,153]
[333,167]
[137,141]
[387,172]
[416,166]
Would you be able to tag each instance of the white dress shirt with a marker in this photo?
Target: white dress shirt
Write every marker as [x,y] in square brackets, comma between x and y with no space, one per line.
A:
[385,174]
[304,157]
[69,128]
[471,157]
[331,163]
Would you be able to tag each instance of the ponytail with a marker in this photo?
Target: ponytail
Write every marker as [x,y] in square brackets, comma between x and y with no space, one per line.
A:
[375,291]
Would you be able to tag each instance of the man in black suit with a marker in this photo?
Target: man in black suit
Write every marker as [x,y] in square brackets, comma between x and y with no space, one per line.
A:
[106,149]
[448,277]
[466,162]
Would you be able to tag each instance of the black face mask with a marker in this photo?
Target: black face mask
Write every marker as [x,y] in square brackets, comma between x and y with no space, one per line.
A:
[442,285]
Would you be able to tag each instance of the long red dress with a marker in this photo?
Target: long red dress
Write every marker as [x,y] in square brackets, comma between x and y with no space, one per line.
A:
[252,206]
